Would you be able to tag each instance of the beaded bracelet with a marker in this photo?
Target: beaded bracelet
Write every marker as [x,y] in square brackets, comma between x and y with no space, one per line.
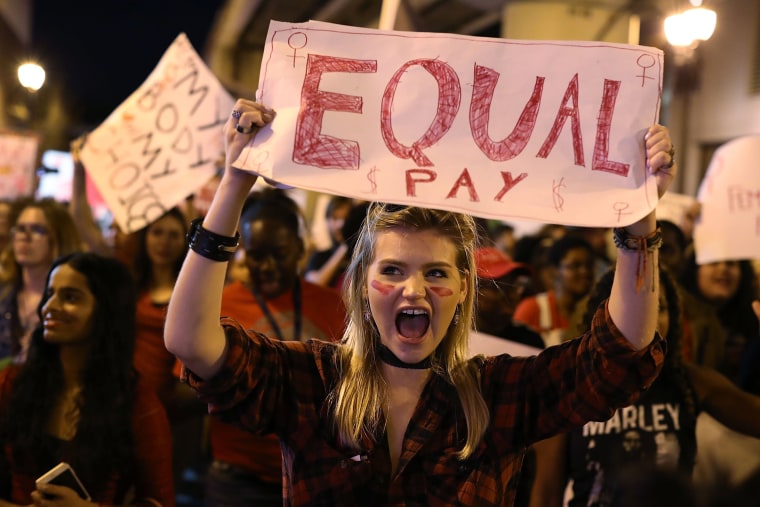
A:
[644,245]
[210,244]
[627,241]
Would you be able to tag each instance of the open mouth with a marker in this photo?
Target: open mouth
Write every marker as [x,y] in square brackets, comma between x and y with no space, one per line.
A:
[412,323]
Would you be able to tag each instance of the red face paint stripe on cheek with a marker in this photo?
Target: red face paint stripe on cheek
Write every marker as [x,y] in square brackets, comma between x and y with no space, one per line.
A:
[442,291]
[382,288]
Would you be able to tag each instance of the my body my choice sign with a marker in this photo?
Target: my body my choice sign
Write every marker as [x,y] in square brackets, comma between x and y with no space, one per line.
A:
[543,130]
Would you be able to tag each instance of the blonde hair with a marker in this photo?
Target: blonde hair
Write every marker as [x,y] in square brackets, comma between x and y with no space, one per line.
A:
[360,395]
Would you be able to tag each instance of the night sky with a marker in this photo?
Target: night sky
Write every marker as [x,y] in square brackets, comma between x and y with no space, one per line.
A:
[100,51]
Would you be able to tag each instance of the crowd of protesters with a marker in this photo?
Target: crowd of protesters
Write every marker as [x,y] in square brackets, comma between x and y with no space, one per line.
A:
[98,354]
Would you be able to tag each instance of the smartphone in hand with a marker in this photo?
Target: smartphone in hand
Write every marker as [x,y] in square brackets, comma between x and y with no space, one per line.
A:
[63,475]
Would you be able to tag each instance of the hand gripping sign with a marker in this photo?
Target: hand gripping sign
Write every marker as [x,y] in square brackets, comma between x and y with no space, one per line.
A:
[542,130]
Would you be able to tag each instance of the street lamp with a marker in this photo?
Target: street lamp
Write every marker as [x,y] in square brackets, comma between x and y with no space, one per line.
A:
[31,76]
[687,28]
[684,31]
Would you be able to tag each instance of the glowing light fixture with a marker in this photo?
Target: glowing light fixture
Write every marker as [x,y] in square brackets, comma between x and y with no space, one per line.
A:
[31,76]
[687,28]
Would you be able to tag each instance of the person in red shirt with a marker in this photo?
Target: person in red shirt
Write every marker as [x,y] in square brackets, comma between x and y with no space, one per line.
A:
[572,261]
[158,257]
[397,413]
[247,468]
[501,285]
[77,398]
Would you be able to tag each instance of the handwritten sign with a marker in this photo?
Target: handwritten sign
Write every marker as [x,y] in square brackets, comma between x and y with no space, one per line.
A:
[160,145]
[18,159]
[728,227]
[542,130]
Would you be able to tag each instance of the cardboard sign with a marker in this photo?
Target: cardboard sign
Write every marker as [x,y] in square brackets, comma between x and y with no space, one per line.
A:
[18,159]
[728,227]
[542,130]
[161,144]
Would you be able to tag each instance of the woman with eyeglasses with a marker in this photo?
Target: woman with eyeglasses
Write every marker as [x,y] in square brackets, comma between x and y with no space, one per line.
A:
[41,231]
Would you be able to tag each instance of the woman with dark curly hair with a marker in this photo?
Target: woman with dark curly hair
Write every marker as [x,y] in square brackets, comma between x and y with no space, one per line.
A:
[78,399]
[656,432]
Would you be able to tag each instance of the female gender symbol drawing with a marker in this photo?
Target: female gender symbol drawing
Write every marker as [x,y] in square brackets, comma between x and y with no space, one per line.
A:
[645,61]
[296,41]
[620,208]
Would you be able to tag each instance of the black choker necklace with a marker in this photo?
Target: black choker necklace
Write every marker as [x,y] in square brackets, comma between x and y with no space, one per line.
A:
[390,358]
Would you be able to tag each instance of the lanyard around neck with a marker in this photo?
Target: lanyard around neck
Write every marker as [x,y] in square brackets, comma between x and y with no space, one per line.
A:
[296,313]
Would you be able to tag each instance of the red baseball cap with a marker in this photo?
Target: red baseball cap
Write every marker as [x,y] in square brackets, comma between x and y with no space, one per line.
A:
[493,264]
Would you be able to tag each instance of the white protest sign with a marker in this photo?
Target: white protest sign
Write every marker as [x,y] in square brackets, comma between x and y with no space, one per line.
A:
[541,130]
[677,208]
[18,159]
[728,227]
[160,145]
[489,345]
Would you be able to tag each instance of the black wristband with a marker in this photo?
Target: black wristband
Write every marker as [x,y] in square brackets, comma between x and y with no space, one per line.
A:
[627,241]
[210,244]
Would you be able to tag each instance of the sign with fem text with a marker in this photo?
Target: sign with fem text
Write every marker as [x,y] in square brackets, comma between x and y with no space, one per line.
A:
[541,130]
[728,227]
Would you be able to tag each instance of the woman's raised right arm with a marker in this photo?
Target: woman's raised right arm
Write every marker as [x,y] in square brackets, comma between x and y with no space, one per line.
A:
[192,331]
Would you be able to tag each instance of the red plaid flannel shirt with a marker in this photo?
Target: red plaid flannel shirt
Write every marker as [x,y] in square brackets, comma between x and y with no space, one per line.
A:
[269,386]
